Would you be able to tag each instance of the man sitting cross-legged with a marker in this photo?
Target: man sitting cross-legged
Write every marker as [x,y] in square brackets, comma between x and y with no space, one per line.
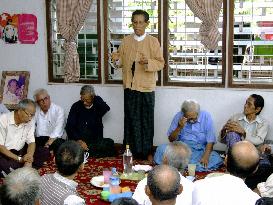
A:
[50,121]
[163,185]
[241,161]
[17,142]
[177,155]
[59,188]
[195,128]
[247,125]
[84,123]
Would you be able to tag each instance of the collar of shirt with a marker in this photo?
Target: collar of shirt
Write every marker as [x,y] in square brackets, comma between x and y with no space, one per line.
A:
[68,182]
[139,38]
[257,119]
[89,107]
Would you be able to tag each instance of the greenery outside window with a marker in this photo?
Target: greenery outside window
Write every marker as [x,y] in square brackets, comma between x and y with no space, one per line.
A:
[188,62]
[251,62]
[88,42]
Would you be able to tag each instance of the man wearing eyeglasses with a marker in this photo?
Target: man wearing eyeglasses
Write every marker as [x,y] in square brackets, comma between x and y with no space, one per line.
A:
[17,142]
[50,122]
[140,58]
[195,128]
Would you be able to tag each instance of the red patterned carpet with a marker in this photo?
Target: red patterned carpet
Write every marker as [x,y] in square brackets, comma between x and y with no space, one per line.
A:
[94,167]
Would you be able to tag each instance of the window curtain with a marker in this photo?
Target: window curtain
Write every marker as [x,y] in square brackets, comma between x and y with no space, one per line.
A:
[208,12]
[71,15]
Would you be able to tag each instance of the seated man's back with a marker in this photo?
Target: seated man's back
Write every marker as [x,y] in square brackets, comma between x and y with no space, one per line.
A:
[59,188]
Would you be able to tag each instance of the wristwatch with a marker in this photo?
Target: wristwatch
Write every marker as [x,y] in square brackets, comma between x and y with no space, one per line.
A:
[19,159]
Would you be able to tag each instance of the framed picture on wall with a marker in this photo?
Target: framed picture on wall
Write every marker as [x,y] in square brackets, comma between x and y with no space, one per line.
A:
[14,87]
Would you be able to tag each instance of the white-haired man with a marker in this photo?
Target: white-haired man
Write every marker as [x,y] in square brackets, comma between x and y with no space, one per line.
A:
[21,187]
[195,128]
[177,155]
[50,121]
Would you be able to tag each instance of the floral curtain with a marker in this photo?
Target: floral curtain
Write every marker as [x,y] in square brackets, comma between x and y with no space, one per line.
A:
[208,12]
[71,15]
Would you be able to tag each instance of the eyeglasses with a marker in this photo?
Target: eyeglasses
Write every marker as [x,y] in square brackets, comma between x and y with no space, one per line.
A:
[42,100]
[29,114]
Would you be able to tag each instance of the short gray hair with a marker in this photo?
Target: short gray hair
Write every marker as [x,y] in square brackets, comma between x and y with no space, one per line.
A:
[39,92]
[163,188]
[178,155]
[87,89]
[24,103]
[190,106]
[22,186]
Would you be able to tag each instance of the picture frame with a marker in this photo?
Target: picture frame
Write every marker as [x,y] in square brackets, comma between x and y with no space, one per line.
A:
[14,87]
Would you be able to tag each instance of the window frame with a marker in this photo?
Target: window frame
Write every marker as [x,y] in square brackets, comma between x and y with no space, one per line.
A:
[105,44]
[51,78]
[166,81]
[231,83]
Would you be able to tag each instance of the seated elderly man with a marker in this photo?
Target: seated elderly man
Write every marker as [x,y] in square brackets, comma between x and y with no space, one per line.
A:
[177,155]
[195,128]
[242,160]
[50,121]
[265,168]
[163,185]
[247,125]
[17,130]
[21,187]
[84,123]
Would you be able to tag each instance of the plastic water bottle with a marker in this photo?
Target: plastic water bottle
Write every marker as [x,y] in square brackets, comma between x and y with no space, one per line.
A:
[114,182]
[127,161]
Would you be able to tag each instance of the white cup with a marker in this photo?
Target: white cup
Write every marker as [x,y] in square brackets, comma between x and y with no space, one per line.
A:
[191,169]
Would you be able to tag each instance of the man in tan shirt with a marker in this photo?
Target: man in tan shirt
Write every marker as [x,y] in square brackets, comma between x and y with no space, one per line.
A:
[140,57]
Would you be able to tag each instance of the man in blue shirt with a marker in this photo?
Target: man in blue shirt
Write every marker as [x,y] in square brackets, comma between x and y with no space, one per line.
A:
[195,128]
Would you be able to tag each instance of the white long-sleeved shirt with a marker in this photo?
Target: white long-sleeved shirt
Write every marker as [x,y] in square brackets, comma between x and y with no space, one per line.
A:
[184,198]
[50,123]
[222,190]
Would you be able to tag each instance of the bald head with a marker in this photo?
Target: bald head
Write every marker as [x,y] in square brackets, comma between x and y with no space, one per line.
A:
[163,183]
[242,159]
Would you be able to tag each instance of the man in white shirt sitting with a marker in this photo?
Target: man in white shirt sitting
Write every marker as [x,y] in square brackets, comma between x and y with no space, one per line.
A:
[242,160]
[177,155]
[60,188]
[17,142]
[50,121]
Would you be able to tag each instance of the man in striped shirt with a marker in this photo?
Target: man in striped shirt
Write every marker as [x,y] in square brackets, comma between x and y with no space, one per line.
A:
[60,188]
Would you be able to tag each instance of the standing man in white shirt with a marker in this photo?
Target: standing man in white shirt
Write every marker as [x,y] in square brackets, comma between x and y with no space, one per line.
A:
[177,155]
[50,120]
[242,160]
[17,142]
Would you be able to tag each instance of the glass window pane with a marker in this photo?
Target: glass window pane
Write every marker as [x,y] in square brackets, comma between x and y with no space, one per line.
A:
[188,60]
[253,42]
[87,45]
[119,25]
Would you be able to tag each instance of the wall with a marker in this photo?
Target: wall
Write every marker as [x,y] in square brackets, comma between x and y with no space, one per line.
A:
[220,102]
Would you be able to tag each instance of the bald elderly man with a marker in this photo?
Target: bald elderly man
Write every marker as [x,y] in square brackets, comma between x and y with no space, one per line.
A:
[163,185]
[241,161]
